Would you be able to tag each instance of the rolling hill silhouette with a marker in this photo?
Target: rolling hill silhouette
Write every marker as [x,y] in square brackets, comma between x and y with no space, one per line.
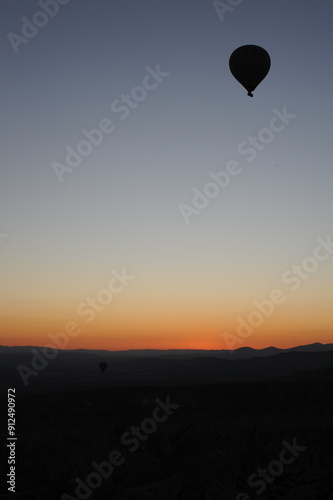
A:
[234,412]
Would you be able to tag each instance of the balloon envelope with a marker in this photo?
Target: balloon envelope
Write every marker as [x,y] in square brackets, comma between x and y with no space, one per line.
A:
[249,64]
[103,366]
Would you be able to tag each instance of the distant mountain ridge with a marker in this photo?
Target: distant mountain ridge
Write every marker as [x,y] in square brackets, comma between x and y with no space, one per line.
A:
[79,369]
[240,353]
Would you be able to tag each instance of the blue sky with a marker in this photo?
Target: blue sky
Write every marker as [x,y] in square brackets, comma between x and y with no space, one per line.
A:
[120,206]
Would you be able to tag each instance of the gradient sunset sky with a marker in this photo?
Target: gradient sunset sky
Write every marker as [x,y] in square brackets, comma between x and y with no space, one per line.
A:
[120,207]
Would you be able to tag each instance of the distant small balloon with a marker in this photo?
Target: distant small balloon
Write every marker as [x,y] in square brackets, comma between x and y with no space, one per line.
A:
[249,64]
[103,366]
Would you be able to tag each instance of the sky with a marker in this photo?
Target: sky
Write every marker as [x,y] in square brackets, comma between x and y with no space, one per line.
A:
[116,234]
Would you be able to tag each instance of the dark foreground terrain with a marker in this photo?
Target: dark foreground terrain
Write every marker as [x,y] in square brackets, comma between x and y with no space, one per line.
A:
[199,441]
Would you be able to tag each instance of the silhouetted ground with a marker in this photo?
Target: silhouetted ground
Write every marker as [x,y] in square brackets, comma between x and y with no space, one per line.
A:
[206,450]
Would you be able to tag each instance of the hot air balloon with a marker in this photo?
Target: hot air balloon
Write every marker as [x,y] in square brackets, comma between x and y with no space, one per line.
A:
[103,366]
[249,64]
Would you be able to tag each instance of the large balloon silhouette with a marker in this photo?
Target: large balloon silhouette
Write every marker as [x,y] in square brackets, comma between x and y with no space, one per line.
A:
[103,366]
[249,64]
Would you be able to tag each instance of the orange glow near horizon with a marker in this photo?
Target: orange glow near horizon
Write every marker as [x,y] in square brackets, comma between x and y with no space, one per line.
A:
[170,336]
[184,318]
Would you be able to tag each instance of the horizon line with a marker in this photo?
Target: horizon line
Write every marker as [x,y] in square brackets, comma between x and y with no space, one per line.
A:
[175,349]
